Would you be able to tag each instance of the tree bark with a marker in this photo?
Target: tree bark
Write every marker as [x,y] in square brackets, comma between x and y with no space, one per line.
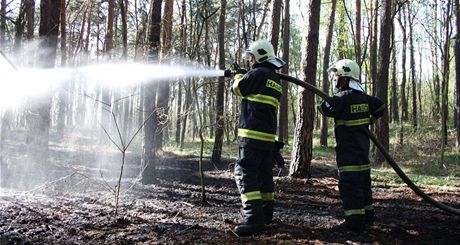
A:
[183,33]
[150,92]
[163,87]
[457,74]
[327,54]
[382,128]
[358,33]
[275,33]
[445,77]
[404,106]
[219,133]
[412,69]
[3,23]
[39,111]
[303,138]
[283,124]
[62,99]
[373,47]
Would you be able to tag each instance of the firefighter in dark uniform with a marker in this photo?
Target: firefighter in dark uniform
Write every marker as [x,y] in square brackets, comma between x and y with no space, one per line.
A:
[353,110]
[260,90]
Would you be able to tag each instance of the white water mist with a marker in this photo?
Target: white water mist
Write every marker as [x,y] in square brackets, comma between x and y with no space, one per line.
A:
[18,84]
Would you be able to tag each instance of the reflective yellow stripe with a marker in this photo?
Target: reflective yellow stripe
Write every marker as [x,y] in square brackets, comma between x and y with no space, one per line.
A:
[235,88]
[355,212]
[369,207]
[354,168]
[252,134]
[269,196]
[253,195]
[356,122]
[265,99]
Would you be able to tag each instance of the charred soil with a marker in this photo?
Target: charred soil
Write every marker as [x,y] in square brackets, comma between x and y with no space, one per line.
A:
[76,206]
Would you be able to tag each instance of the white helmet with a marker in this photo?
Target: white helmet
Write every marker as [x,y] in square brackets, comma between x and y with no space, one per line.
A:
[263,51]
[346,68]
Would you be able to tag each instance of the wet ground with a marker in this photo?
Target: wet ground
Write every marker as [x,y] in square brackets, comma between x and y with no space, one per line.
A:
[76,206]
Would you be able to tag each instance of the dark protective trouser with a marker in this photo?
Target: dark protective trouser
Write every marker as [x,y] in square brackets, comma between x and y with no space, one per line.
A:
[254,179]
[356,195]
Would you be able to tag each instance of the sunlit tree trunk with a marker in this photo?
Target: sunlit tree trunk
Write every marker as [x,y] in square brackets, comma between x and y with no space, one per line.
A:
[327,54]
[358,32]
[382,129]
[394,86]
[183,33]
[30,15]
[373,46]
[404,106]
[163,87]
[457,74]
[219,134]
[150,92]
[62,97]
[275,32]
[283,124]
[124,27]
[3,23]
[412,69]
[303,136]
[39,110]
[445,77]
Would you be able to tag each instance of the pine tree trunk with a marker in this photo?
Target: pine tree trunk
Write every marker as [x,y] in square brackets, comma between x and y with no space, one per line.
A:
[150,92]
[275,32]
[283,124]
[39,110]
[62,99]
[303,138]
[358,33]
[3,23]
[327,54]
[163,87]
[373,46]
[219,134]
[404,106]
[457,74]
[412,66]
[382,128]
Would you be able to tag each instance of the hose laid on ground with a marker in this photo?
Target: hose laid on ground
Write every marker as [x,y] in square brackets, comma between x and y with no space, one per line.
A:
[387,156]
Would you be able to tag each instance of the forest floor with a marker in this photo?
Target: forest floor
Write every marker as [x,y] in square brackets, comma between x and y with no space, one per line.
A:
[74,204]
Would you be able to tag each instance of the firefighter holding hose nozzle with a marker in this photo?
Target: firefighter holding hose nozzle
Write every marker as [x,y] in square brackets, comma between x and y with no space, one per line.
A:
[353,110]
[260,90]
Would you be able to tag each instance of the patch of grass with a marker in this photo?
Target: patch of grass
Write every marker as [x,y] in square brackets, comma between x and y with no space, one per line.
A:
[389,177]
[229,150]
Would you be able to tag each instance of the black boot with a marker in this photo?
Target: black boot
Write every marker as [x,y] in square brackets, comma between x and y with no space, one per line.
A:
[354,223]
[369,217]
[253,219]
[268,207]
[246,229]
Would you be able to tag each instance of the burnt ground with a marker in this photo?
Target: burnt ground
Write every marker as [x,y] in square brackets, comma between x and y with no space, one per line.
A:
[74,204]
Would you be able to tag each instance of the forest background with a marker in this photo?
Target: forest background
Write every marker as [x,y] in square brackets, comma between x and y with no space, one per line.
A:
[407,51]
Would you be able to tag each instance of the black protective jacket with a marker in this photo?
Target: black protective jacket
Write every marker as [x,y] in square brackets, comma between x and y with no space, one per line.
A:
[260,90]
[353,111]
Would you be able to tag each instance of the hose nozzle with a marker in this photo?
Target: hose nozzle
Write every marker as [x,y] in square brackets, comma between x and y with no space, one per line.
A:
[229,73]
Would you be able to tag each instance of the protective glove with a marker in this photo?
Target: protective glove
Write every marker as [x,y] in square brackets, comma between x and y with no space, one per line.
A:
[278,159]
[241,71]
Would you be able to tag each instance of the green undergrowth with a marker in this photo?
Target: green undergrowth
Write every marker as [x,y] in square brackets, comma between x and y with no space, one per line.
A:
[419,155]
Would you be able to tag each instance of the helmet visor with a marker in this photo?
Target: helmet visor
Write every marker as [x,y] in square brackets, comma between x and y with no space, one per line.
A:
[247,54]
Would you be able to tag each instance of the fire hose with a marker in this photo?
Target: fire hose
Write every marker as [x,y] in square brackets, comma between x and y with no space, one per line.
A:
[374,139]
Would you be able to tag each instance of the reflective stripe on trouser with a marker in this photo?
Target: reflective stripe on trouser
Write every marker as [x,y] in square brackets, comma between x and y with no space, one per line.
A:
[356,195]
[254,179]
